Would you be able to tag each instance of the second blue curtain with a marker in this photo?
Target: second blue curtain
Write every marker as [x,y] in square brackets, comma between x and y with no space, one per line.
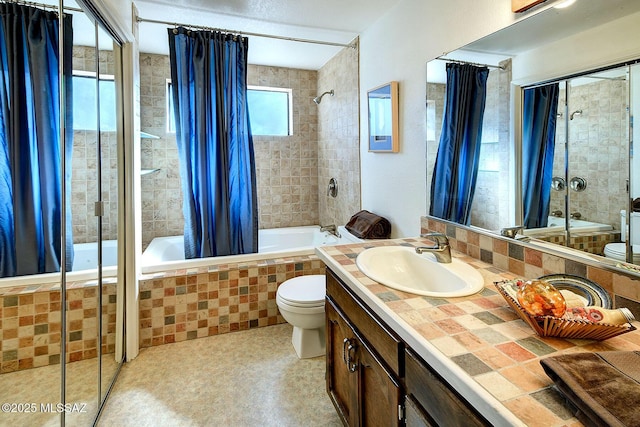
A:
[540,108]
[456,168]
[215,146]
[30,149]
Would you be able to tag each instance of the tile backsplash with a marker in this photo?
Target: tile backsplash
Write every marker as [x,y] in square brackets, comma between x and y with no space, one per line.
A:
[529,262]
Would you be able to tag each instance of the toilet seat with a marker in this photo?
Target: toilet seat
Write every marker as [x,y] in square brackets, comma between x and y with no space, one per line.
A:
[619,251]
[303,291]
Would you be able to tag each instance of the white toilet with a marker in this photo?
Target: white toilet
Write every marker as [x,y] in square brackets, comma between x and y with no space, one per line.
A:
[301,303]
[618,251]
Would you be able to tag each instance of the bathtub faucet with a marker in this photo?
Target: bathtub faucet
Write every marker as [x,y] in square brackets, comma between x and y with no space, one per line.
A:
[441,249]
[331,229]
[511,232]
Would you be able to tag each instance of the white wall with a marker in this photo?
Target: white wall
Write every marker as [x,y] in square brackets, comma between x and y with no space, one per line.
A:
[397,47]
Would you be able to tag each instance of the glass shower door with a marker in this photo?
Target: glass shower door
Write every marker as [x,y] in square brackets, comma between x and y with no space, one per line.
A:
[598,157]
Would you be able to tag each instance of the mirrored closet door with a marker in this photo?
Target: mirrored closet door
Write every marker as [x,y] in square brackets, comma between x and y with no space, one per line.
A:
[58,306]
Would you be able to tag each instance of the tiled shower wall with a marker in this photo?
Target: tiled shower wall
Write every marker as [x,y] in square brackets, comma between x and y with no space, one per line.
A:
[161,191]
[286,166]
[598,150]
[491,198]
[84,184]
[339,137]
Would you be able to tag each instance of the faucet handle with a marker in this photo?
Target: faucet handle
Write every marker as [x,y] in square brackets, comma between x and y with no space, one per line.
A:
[439,238]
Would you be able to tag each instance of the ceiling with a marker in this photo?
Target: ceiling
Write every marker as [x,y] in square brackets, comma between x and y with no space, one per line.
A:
[536,30]
[553,24]
[335,21]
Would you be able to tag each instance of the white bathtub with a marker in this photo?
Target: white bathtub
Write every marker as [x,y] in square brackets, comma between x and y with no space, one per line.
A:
[85,262]
[167,253]
[555,224]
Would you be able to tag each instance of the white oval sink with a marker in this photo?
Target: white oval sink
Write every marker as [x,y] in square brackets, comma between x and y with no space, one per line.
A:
[401,268]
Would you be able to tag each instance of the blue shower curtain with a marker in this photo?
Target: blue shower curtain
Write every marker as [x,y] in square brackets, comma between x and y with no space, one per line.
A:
[539,116]
[30,148]
[215,146]
[456,167]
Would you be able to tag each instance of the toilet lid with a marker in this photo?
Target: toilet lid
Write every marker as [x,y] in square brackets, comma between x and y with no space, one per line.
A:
[304,291]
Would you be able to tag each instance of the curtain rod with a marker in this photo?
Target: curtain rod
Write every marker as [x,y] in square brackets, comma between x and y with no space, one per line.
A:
[458,61]
[41,5]
[244,33]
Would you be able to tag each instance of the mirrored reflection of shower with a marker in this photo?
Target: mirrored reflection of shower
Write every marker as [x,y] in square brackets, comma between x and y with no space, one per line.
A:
[575,113]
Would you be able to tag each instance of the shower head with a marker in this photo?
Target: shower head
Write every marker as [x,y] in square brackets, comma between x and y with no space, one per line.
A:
[575,113]
[318,99]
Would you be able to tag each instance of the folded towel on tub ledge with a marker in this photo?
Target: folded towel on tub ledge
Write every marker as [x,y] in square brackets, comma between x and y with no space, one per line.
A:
[367,225]
[604,387]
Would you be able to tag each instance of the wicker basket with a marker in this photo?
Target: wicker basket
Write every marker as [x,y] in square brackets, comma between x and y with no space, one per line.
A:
[549,326]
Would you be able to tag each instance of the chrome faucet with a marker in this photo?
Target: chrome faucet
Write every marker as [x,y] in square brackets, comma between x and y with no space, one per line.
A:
[510,232]
[331,229]
[441,249]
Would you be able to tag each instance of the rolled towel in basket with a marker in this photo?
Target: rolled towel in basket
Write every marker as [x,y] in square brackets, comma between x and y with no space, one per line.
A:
[367,225]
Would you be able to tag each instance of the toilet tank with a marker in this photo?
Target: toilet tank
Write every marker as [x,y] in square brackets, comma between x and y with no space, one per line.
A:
[635,227]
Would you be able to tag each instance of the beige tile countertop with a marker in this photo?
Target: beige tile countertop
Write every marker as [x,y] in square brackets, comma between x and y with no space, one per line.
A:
[477,343]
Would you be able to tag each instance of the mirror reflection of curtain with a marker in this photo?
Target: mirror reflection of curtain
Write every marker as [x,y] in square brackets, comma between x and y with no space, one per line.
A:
[30,147]
[540,108]
[215,145]
[456,167]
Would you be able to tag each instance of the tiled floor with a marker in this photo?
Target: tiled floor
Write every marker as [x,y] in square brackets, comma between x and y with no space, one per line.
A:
[31,390]
[248,378]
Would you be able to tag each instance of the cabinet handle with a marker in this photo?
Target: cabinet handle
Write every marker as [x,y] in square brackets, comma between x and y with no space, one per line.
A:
[351,364]
[347,349]
[344,350]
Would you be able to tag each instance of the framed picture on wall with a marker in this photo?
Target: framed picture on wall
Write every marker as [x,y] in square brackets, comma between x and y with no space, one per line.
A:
[383,118]
[518,6]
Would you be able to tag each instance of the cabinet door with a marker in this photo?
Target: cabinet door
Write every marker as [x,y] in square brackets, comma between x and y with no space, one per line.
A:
[414,416]
[437,398]
[342,375]
[380,395]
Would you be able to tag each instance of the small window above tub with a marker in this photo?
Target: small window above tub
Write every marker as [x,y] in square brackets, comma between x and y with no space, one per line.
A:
[84,99]
[270,110]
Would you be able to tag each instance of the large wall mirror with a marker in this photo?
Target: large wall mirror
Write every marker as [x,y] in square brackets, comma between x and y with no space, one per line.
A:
[555,155]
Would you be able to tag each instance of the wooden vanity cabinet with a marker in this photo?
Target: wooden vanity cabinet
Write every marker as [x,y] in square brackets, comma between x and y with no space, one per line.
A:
[374,379]
[364,389]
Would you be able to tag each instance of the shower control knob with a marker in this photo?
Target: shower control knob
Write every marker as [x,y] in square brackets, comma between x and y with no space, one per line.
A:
[332,189]
[578,184]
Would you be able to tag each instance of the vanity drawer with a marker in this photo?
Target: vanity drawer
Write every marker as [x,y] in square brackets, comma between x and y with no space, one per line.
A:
[387,344]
